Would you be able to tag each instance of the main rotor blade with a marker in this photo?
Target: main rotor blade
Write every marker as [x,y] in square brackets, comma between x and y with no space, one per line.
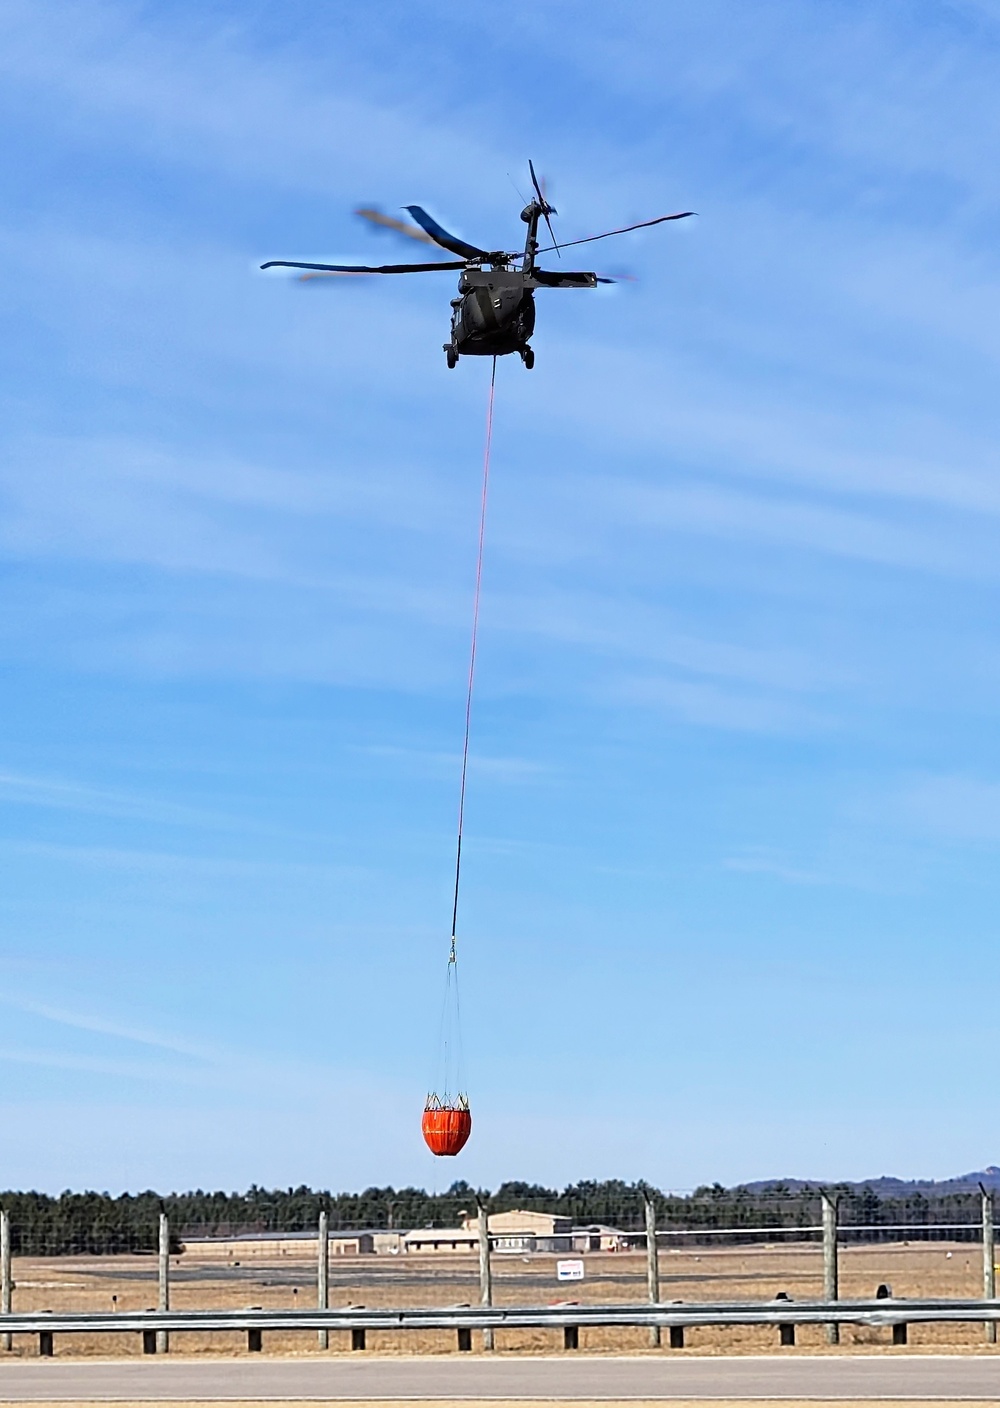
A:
[363,268]
[326,274]
[563,278]
[546,208]
[683,215]
[389,222]
[441,236]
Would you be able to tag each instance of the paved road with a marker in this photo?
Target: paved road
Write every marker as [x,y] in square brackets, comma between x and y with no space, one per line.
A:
[855,1376]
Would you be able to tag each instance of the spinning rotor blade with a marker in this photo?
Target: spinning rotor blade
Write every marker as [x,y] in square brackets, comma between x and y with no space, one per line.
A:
[546,208]
[389,222]
[683,215]
[362,268]
[441,236]
[326,274]
[563,278]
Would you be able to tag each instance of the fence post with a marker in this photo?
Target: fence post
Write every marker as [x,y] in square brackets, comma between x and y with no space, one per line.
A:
[485,1269]
[652,1263]
[831,1287]
[323,1272]
[989,1266]
[163,1297]
[6,1284]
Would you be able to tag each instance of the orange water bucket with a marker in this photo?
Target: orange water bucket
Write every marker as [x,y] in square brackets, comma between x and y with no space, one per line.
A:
[446,1128]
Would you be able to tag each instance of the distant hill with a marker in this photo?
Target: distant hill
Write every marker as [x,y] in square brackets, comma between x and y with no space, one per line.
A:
[888,1187]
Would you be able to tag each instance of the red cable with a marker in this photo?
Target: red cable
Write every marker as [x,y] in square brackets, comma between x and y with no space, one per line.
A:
[472,658]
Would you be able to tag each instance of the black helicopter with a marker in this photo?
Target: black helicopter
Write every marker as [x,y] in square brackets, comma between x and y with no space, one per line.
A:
[494,313]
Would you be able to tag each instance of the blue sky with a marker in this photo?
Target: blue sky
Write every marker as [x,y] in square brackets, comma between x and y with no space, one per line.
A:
[731,887]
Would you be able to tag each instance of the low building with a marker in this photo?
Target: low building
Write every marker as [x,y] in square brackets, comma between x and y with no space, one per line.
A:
[522,1231]
[440,1239]
[512,1232]
[515,1232]
[597,1237]
[258,1246]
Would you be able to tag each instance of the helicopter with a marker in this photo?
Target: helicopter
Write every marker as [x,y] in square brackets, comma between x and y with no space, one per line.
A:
[494,313]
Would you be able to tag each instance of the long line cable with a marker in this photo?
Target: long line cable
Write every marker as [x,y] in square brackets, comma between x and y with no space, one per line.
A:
[452,958]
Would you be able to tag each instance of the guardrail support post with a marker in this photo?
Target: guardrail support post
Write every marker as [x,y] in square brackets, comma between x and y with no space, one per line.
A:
[786,1333]
[989,1264]
[149,1341]
[163,1297]
[464,1339]
[358,1337]
[485,1269]
[676,1336]
[571,1337]
[255,1341]
[6,1284]
[652,1263]
[831,1279]
[884,1292]
[45,1347]
[323,1273]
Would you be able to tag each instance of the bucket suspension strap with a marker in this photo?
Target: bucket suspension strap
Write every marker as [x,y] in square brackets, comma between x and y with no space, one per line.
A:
[453,955]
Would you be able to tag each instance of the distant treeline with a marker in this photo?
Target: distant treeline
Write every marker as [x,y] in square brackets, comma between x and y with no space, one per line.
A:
[97,1223]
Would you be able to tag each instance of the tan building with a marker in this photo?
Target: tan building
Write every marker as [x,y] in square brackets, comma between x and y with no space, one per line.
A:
[516,1231]
[596,1237]
[521,1231]
[440,1239]
[263,1246]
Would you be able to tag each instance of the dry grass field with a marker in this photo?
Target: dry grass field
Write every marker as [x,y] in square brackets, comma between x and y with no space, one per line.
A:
[702,1274]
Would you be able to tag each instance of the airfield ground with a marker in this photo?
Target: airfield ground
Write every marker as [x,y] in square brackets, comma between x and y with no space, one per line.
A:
[702,1274]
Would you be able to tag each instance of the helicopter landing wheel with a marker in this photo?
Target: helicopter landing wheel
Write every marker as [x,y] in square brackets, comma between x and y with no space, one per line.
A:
[452,358]
[528,358]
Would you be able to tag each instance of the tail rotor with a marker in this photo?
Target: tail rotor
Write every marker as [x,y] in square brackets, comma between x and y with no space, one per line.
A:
[547,209]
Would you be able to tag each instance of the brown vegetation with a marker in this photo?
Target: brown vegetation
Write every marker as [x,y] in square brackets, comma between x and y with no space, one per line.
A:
[695,1275]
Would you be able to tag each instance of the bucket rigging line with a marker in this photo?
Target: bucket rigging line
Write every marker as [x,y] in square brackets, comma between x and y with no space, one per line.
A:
[447,1120]
[453,957]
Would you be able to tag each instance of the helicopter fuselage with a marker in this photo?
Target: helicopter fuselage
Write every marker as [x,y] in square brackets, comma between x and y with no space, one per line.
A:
[494,313]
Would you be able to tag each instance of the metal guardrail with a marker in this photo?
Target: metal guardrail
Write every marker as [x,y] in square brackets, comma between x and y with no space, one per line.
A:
[781,1312]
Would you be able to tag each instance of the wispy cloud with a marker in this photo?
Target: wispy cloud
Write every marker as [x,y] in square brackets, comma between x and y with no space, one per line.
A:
[953,807]
[200,1064]
[57,794]
[166,863]
[761,861]
[437,764]
[714,706]
[87,1022]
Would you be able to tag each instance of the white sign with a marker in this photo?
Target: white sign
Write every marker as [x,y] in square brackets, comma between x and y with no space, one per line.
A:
[569,1270]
